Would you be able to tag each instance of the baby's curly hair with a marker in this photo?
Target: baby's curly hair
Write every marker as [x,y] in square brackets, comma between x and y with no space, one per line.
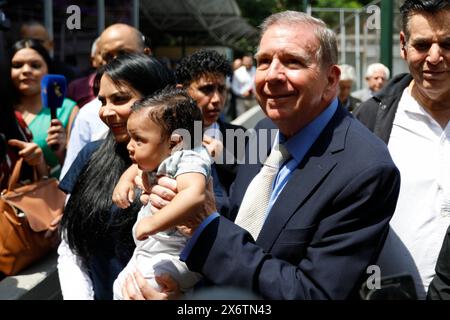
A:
[173,109]
[200,63]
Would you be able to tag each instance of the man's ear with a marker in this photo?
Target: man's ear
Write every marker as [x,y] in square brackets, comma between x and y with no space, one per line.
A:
[148,51]
[403,52]
[334,73]
[175,139]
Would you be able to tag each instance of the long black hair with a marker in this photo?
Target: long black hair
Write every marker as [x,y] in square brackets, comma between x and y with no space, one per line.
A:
[9,96]
[88,217]
[8,122]
[9,126]
[37,46]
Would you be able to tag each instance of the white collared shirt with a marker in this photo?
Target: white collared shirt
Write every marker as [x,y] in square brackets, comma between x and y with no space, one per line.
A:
[243,80]
[421,150]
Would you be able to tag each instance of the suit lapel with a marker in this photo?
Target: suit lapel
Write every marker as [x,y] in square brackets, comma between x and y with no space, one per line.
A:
[317,164]
[262,139]
[299,187]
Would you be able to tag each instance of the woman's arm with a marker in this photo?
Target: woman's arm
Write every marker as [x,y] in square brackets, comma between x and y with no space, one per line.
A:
[75,282]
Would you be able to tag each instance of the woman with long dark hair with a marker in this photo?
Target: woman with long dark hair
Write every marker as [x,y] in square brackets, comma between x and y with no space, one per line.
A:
[30,62]
[15,138]
[97,240]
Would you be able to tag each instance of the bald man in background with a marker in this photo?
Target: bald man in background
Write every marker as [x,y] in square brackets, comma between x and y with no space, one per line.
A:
[36,30]
[115,40]
[121,38]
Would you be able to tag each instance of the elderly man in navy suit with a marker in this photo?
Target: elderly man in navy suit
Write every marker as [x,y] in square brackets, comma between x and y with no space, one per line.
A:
[333,193]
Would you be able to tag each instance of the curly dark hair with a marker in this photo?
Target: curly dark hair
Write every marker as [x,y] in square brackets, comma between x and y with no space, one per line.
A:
[200,63]
[173,109]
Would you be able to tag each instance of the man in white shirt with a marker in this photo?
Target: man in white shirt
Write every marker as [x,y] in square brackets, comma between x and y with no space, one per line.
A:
[114,40]
[242,85]
[412,116]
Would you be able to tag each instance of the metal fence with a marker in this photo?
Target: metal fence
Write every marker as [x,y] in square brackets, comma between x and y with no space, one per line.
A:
[359,36]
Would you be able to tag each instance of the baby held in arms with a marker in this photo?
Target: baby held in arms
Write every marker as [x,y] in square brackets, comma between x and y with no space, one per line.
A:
[161,128]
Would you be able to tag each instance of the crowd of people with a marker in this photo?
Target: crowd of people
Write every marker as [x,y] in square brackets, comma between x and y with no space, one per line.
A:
[329,183]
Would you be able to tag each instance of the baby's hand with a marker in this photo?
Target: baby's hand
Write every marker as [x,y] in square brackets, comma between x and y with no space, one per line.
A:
[214,147]
[123,194]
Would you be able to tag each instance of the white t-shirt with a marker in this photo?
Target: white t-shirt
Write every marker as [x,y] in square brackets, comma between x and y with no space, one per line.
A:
[243,80]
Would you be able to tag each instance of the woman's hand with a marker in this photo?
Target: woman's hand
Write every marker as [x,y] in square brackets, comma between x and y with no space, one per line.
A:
[32,154]
[29,151]
[53,227]
[57,138]
[144,291]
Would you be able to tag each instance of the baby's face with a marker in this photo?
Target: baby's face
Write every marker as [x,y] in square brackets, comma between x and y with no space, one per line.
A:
[147,147]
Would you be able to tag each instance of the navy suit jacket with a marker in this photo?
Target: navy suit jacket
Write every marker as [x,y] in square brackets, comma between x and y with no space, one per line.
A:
[325,228]
[224,173]
[227,171]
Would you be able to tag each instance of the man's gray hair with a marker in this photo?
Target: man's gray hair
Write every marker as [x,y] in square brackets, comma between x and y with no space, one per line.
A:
[374,67]
[327,53]
[347,72]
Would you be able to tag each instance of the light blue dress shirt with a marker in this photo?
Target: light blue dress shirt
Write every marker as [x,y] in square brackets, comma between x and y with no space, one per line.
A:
[298,146]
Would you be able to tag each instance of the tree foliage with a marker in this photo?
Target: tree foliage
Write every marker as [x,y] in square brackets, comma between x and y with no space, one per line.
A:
[256,10]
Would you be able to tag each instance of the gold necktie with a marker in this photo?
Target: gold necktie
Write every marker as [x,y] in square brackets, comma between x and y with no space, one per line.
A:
[253,209]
